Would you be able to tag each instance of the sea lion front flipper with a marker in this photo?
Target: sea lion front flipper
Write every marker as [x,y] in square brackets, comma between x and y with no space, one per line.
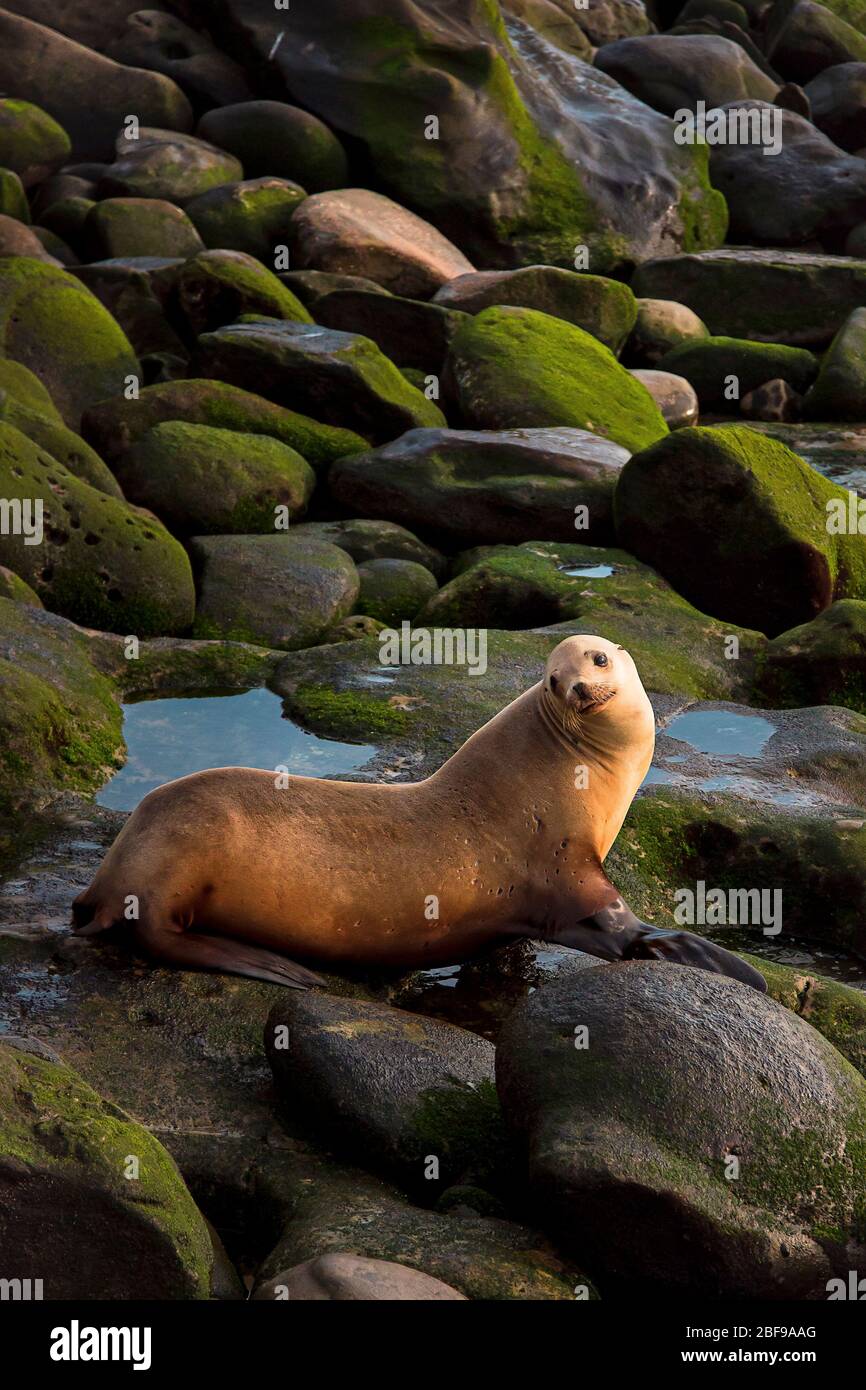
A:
[198,951]
[615,933]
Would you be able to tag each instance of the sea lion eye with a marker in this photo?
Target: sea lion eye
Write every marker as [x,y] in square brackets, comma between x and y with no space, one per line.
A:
[600,659]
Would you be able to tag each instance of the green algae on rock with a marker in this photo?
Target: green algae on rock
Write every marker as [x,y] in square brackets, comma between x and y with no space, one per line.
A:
[200,480]
[32,144]
[275,140]
[119,227]
[24,386]
[840,391]
[48,432]
[13,199]
[739,524]
[54,326]
[252,216]
[605,308]
[113,426]
[302,366]
[822,662]
[715,365]
[60,723]
[512,368]
[393,590]
[216,287]
[136,1233]
[102,563]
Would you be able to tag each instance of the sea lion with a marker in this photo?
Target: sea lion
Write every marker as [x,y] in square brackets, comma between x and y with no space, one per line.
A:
[235,869]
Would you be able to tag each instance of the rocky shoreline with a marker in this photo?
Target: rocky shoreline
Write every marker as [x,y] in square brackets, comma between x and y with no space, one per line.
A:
[327,330]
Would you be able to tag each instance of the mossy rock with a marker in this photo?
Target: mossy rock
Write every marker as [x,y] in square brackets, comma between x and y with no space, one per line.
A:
[32,144]
[50,434]
[583,588]
[24,386]
[375,540]
[274,139]
[629,1141]
[738,523]
[836,1010]
[13,199]
[60,722]
[710,364]
[822,662]
[319,371]
[119,227]
[467,487]
[252,216]
[102,563]
[840,391]
[50,323]
[64,1151]
[512,368]
[605,308]
[392,590]
[169,165]
[675,837]
[113,426]
[216,287]
[201,480]
[484,1257]
[13,587]
[272,590]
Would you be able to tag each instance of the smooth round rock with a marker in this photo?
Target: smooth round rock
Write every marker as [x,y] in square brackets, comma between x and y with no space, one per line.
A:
[340,1278]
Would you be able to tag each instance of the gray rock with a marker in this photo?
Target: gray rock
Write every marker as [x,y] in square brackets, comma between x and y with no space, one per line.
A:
[674,72]
[661,324]
[275,591]
[775,400]
[838,100]
[805,38]
[808,189]
[392,1089]
[163,43]
[163,163]
[470,487]
[411,332]
[394,590]
[375,540]
[275,140]
[340,1277]
[628,1139]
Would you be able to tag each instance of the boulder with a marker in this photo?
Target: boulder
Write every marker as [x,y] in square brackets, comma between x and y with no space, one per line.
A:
[101,562]
[741,526]
[32,144]
[808,189]
[13,199]
[773,400]
[353,231]
[274,590]
[375,540]
[164,163]
[216,287]
[673,72]
[723,370]
[17,239]
[804,38]
[794,297]
[76,1216]
[113,426]
[391,1088]
[469,487]
[52,436]
[340,1278]
[119,227]
[822,662]
[605,308]
[517,368]
[679,1149]
[674,396]
[164,43]
[840,390]
[201,480]
[275,140]
[11,587]
[50,323]
[393,590]
[87,93]
[837,97]
[252,216]
[412,332]
[319,371]
[527,133]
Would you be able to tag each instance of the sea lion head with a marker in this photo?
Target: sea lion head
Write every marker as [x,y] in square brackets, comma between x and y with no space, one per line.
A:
[588,678]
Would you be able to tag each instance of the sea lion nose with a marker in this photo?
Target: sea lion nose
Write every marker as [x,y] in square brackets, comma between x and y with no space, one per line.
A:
[581,690]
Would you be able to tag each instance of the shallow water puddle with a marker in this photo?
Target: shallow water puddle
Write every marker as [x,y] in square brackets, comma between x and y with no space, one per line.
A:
[587,571]
[172,737]
[721,733]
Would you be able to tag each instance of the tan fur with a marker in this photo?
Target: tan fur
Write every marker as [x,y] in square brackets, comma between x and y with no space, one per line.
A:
[345,871]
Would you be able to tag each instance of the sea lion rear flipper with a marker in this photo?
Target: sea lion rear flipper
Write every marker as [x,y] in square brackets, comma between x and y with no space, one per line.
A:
[198,951]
